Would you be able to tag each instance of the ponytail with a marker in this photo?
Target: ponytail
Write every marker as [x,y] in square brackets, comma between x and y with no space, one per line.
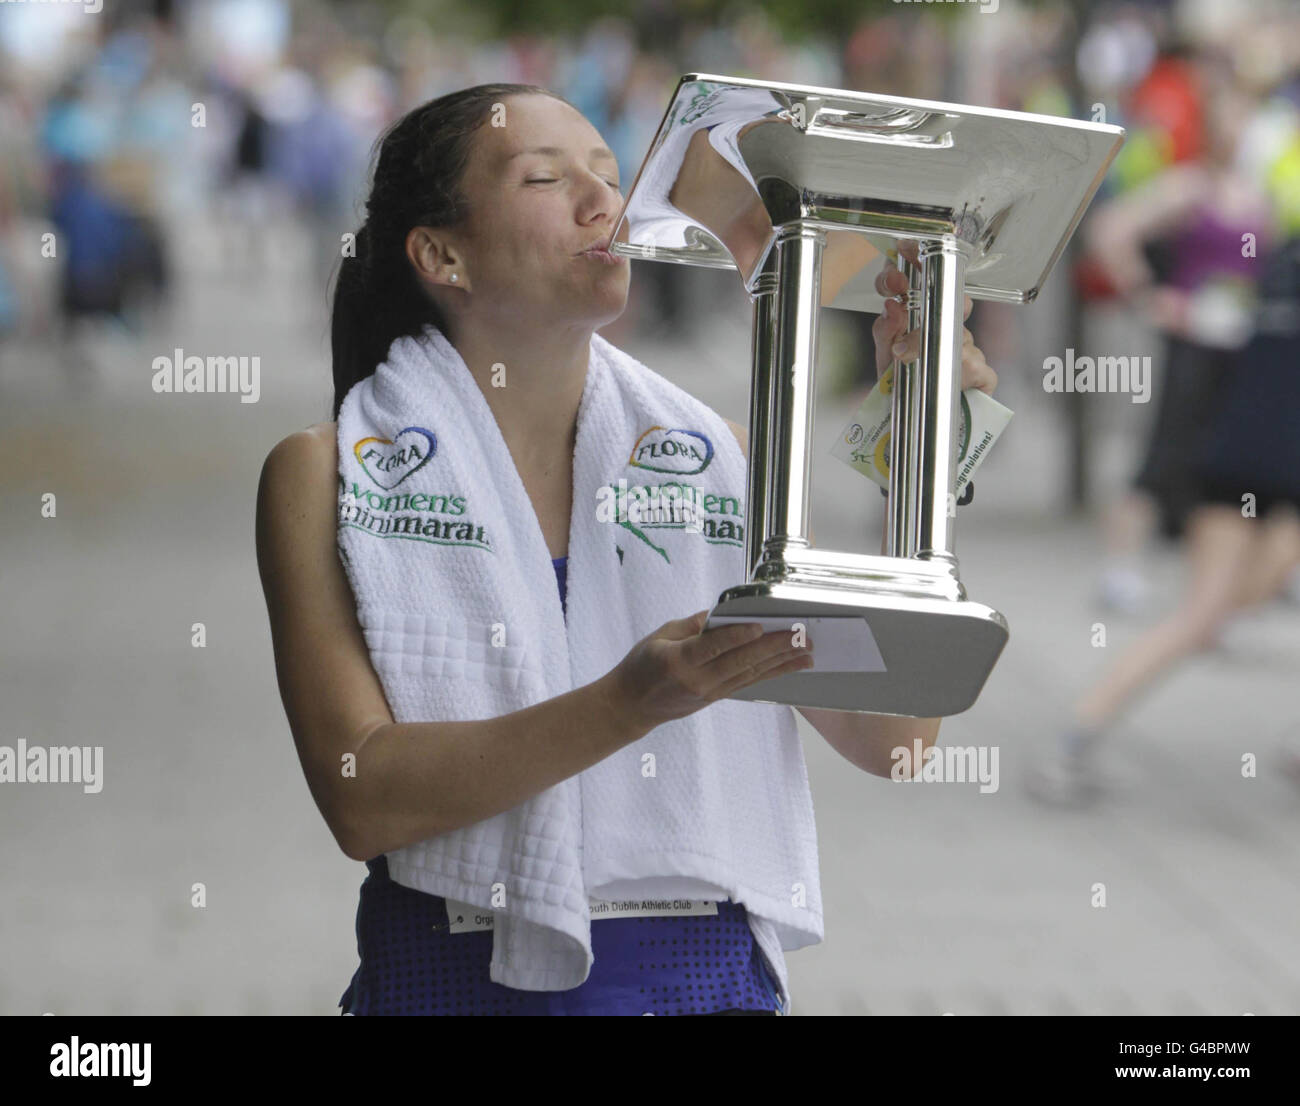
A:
[416,182]
[374,305]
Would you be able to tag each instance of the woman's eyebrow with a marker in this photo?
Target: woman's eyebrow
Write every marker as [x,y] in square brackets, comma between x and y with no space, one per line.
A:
[603,152]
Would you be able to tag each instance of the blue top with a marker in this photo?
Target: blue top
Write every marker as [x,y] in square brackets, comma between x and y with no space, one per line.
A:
[561,566]
[412,964]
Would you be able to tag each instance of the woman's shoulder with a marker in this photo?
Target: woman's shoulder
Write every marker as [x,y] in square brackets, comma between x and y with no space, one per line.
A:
[320,437]
[296,497]
[325,433]
[741,434]
[310,454]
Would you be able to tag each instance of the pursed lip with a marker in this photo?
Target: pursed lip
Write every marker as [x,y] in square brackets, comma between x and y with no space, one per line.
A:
[599,251]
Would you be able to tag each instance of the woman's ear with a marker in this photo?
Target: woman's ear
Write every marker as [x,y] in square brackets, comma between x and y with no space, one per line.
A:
[433,259]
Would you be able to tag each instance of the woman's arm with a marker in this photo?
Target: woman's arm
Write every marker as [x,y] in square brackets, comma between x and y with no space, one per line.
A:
[1117,230]
[410,781]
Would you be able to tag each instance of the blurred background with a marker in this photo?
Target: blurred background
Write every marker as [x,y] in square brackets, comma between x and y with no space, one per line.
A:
[179,176]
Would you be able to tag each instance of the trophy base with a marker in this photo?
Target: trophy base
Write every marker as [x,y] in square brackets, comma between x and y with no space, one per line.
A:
[936,652]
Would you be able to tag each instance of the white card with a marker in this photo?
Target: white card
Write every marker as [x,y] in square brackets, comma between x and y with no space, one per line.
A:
[464,918]
[840,643]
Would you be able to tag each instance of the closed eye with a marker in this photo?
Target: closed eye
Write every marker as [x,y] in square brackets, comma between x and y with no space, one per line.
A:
[551,180]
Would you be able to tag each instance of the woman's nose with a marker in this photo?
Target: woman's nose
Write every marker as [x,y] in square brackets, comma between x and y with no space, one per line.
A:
[598,196]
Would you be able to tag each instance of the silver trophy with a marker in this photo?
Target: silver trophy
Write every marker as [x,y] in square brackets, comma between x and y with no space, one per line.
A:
[802,190]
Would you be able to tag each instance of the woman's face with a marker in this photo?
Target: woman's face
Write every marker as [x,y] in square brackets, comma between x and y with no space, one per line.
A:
[541,189]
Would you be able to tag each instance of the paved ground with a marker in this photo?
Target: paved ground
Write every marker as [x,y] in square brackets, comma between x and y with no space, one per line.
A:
[937,898]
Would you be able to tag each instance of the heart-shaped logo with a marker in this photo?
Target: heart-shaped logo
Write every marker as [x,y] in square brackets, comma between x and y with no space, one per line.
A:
[389,461]
[681,452]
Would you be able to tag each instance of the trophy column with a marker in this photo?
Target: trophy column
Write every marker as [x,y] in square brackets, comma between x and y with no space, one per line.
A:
[926,399]
[938,399]
[904,461]
[784,372]
[761,403]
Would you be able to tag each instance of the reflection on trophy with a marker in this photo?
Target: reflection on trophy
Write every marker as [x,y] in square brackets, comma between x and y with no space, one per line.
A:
[802,190]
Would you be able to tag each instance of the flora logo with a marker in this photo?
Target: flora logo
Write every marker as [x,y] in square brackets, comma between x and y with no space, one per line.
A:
[389,461]
[680,452]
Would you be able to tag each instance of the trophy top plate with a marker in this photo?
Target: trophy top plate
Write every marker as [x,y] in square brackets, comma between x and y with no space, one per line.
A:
[736,160]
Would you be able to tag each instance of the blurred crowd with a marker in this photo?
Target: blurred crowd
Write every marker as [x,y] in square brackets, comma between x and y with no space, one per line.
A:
[116,125]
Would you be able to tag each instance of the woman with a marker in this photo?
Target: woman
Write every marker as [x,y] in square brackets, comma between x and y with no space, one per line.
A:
[1243,536]
[1197,214]
[477,249]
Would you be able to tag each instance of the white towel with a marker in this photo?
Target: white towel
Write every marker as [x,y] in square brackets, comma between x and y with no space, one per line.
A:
[457,597]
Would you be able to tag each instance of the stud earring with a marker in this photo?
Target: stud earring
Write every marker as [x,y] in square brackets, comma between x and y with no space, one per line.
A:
[455,276]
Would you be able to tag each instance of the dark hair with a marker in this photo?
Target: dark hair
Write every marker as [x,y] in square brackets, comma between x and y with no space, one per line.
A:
[416,182]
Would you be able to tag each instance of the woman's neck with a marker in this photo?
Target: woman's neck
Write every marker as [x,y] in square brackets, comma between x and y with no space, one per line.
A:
[533,385]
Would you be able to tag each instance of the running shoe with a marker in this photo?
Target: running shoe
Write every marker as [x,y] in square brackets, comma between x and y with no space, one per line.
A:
[1290,762]
[1123,590]
[1063,779]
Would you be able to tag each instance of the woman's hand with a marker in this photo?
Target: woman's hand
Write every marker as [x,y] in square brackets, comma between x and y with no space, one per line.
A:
[682,667]
[1166,308]
[894,341]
